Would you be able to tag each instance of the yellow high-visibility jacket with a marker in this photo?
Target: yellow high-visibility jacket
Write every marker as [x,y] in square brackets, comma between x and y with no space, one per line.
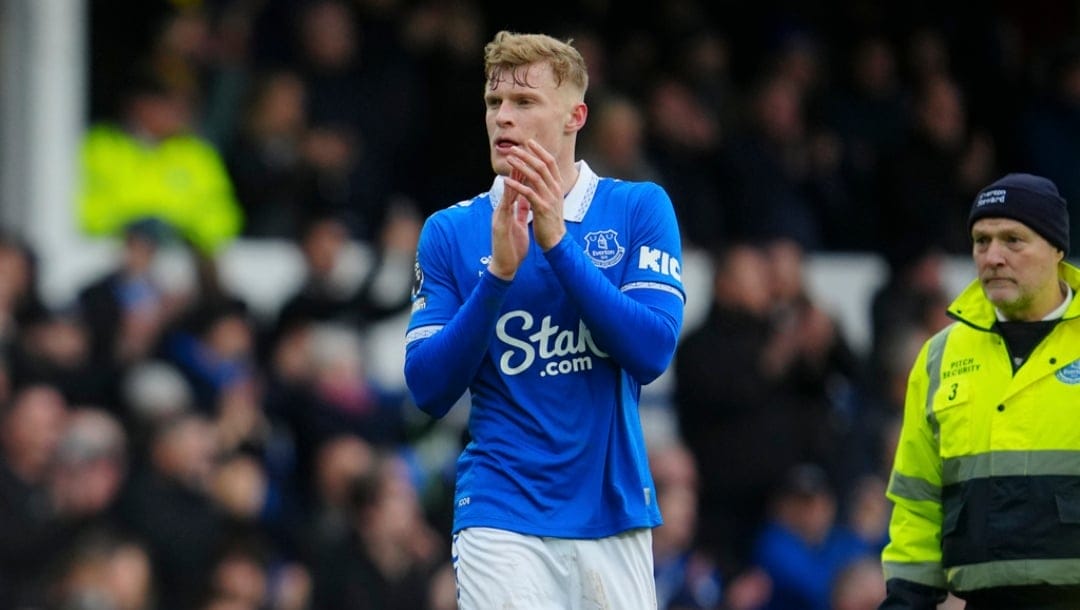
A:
[180,180]
[986,481]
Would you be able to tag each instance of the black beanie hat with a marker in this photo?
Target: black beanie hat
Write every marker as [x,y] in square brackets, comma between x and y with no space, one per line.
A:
[1032,200]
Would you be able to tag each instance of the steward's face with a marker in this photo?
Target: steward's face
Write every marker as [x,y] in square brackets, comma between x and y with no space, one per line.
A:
[1017,268]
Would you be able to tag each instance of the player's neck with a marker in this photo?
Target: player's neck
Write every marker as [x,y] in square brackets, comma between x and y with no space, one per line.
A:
[570,175]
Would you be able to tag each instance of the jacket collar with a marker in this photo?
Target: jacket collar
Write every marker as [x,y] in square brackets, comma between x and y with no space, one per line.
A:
[972,307]
[575,204]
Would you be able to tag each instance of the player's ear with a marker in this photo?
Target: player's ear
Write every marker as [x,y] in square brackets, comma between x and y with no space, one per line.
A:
[578,113]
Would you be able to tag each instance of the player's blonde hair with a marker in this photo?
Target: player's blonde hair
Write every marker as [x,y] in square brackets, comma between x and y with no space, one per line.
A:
[509,51]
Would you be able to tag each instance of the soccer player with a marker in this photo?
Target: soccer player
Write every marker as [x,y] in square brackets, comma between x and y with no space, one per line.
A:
[552,298]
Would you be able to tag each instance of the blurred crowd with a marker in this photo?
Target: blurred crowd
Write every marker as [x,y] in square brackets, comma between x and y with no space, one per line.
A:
[165,447]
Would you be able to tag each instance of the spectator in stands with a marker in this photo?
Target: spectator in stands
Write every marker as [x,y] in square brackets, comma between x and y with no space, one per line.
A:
[360,104]
[78,518]
[735,404]
[1049,130]
[31,427]
[246,573]
[866,510]
[870,443]
[151,391]
[905,310]
[60,478]
[181,51]
[684,143]
[447,38]
[824,367]
[202,52]
[242,489]
[214,347]
[346,399]
[127,309]
[276,181]
[392,555]
[926,55]
[703,62]
[90,467]
[334,292]
[869,114]
[148,164]
[318,391]
[940,166]
[686,577]
[786,168]
[241,576]
[54,349]
[339,462]
[104,569]
[802,547]
[337,395]
[913,296]
[20,298]
[798,56]
[168,504]
[615,141]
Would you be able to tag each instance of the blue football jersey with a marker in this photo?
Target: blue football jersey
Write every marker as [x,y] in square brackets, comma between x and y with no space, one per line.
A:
[556,445]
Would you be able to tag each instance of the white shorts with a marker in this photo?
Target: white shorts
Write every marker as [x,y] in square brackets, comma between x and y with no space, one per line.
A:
[501,570]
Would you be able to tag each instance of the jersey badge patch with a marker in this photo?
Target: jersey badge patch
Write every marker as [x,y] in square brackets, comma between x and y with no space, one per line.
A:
[1070,373]
[603,248]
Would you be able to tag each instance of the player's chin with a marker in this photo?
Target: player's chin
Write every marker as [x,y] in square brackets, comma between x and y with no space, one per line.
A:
[499,164]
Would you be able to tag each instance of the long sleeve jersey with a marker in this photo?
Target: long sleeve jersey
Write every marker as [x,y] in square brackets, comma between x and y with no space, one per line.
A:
[554,360]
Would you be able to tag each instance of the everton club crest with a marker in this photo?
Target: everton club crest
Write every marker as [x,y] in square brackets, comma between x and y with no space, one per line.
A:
[603,248]
[1070,373]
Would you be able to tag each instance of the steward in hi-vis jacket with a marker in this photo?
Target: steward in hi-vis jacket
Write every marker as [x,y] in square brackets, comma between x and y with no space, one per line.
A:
[986,480]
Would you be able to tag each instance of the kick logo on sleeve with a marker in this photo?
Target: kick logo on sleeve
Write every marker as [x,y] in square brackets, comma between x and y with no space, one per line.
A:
[659,261]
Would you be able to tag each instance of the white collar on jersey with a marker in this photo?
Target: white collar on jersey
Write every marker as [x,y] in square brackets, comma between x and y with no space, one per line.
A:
[577,201]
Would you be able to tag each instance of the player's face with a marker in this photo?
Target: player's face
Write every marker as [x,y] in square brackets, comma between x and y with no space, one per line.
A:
[1017,268]
[526,103]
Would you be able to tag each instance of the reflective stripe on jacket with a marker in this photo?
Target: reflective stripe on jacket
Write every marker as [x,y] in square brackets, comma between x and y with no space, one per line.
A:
[986,481]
